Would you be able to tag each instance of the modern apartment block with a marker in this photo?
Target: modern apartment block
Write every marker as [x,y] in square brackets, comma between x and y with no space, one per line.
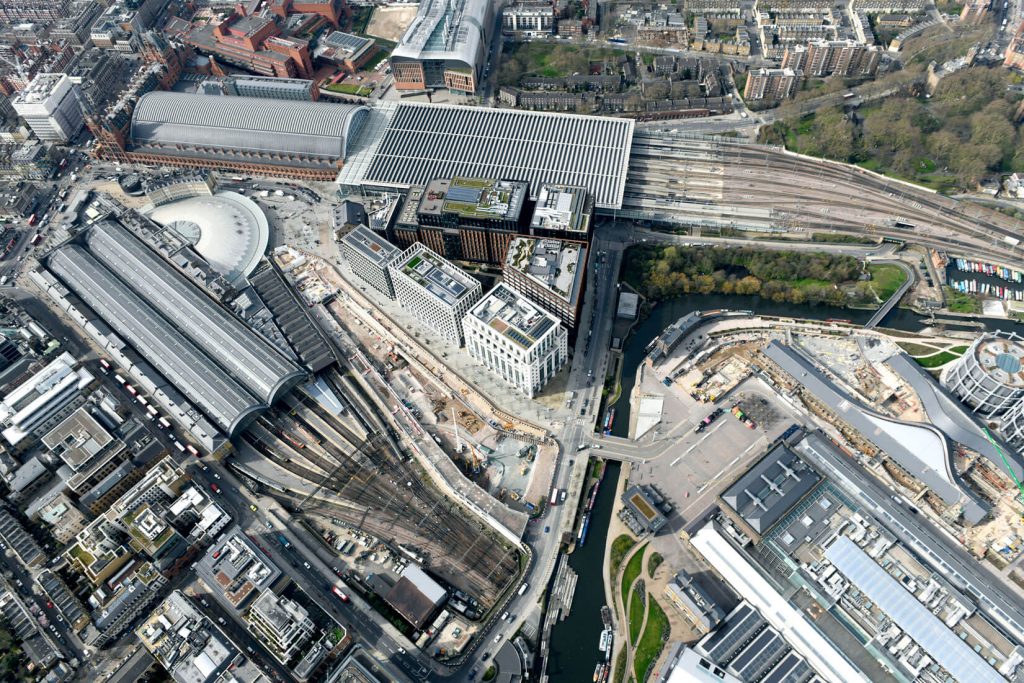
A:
[434,290]
[282,625]
[469,219]
[562,211]
[846,58]
[516,339]
[369,255]
[50,107]
[772,84]
[552,273]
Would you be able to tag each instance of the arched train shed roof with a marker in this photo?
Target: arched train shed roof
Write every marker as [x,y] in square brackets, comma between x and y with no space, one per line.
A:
[248,124]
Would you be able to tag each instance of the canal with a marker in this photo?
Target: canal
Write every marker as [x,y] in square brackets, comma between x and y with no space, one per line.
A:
[574,642]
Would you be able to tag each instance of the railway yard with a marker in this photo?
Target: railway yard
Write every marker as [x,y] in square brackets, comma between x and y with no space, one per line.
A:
[719,184]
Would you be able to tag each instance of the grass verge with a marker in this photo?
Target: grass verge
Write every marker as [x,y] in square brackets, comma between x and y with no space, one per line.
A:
[636,616]
[886,279]
[652,640]
[632,571]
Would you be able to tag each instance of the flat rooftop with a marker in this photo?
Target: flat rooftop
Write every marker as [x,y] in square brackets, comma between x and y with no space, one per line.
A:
[561,207]
[479,198]
[436,275]
[371,246]
[77,439]
[1002,359]
[514,317]
[556,265]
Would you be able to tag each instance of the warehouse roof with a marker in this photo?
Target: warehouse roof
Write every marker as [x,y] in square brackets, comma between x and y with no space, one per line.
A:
[770,488]
[914,618]
[257,364]
[425,141]
[163,345]
[251,124]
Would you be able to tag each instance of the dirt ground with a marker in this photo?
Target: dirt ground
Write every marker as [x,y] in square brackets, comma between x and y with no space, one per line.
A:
[390,23]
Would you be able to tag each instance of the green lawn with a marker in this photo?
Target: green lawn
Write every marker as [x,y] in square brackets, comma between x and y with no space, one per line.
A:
[886,279]
[958,302]
[636,616]
[620,546]
[938,360]
[960,349]
[632,571]
[917,349]
[651,642]
[350,89]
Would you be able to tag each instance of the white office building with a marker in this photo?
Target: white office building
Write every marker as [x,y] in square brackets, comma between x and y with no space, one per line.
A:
[434,290]
[369,255]
[282,625]
[50,107]
[516,339]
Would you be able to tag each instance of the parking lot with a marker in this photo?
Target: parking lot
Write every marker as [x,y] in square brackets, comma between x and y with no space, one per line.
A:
[691,467]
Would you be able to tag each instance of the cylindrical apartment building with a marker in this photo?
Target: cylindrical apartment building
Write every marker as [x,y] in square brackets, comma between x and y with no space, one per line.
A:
[989,377]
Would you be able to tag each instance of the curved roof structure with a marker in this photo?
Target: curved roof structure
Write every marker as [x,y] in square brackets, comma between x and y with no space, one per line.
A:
[257,364]
[170,352]
[254,125]
[446,30]
[229,230]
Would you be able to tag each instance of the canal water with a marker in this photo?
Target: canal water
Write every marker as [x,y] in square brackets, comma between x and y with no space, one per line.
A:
[574,642]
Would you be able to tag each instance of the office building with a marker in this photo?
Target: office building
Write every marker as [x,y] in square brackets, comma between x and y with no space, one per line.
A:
[845,58]
[773,85]
[551,273]
[434,290]
[523,21]
[191,648]
[562,211]
[470,219]
[345,51]
[330,10]
[44,399]
[989,376]
[50,107]
[255,44]
[281,625]
[298,89]
[20,11]
[446,46]
[369,256]
[257,135]
[236,570]
[515,339]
